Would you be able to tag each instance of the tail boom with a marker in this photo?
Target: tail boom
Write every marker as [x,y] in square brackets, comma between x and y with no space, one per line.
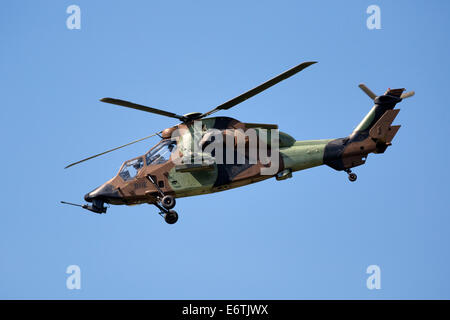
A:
[373,135]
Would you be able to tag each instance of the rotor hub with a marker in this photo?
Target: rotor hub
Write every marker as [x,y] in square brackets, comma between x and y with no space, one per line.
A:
[192,115]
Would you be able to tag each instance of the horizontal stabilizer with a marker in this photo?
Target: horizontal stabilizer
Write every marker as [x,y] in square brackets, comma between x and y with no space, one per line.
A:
[383,131]
[392,132]
[382,127]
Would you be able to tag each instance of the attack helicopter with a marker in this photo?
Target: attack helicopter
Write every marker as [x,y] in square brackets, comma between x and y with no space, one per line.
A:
[159,178]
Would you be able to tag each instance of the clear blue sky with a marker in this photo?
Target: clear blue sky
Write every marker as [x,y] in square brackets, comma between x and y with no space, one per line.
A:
[312,236]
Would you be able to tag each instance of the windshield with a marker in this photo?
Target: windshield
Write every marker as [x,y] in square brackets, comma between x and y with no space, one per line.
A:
[131,168]
[161,153]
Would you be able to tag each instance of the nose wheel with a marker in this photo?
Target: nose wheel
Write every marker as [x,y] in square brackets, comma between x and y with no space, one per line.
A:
[171,217]
[351,175]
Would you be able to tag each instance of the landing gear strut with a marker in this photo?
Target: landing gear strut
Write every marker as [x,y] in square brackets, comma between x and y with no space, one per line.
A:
[165,203]
[351,176]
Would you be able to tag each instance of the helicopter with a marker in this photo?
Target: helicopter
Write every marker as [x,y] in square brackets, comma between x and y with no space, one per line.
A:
[159,177]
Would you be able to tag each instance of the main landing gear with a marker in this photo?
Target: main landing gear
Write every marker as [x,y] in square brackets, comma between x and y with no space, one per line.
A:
[165,204]
[351,176]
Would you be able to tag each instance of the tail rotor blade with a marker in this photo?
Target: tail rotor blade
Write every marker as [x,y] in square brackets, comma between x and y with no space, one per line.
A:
[407,94]
[367,91]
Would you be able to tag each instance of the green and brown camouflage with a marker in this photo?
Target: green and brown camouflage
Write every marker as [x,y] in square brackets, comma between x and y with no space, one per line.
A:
[373,135]
[159,175]
[183,180]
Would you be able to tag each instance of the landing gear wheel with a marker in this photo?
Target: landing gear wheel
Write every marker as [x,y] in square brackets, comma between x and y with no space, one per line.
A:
[171,217]
[352,177]
[168,202]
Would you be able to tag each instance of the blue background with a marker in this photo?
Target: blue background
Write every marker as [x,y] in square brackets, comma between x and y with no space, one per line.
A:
[312,236]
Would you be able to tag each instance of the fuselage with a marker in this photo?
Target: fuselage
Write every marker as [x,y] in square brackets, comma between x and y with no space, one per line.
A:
[146,178]
[258,152]
[135,187]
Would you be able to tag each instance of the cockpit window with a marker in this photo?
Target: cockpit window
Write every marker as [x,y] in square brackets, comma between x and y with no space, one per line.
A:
[161,153]
[131,168]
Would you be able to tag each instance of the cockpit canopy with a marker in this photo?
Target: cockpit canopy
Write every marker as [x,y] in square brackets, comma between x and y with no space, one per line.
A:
[159,154]
[131,168]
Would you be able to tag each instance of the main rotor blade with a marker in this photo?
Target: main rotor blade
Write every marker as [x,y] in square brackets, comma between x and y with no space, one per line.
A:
[99,154]
[367,91]
[266,85]
[132,105]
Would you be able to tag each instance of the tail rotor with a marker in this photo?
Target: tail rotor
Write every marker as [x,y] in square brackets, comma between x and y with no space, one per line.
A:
[372,95]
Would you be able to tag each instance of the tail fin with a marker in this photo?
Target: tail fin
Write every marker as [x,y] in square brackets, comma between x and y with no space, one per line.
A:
[372,135]
[383,104]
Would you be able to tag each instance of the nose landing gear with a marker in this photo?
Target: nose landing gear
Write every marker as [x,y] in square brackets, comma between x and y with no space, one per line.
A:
[165,203]
[169,215]
[351,176]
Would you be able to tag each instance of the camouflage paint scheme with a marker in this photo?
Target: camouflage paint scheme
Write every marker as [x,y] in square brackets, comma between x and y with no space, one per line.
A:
[373,135]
